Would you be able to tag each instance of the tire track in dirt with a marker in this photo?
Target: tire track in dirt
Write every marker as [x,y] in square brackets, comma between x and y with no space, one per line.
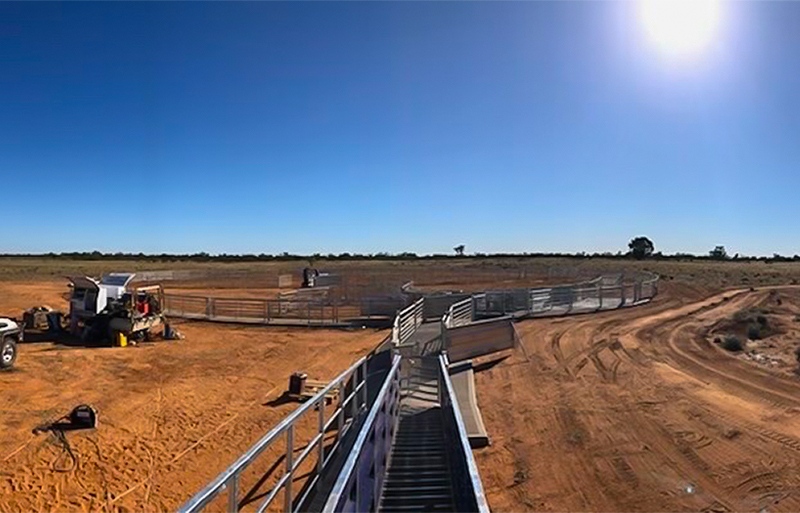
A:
[639,441]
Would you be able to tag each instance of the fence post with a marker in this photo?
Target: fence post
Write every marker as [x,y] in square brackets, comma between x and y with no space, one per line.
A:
[439,394]
[287,504]
[600,296]
[340,414]
[233,493]
[364,374]
[321,407]
[212,309]
[208,306]
[266,312]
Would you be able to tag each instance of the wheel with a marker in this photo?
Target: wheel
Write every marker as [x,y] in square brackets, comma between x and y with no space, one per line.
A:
[8,353]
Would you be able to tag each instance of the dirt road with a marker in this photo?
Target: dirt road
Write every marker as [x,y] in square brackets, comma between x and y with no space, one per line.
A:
[635,410]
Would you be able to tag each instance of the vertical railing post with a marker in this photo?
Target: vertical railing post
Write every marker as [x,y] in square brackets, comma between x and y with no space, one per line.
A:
[439,395]
[266,312]
[375,470]
[321,428]
[364,375]
[354,397]
[340,414]
[287,503]
[600,296]
[233,494]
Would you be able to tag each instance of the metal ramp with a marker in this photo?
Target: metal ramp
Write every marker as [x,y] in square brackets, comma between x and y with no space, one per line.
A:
[419,473]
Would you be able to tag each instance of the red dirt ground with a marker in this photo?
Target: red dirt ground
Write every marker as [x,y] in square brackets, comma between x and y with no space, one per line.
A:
[631,410]
[634,410]
[172,415]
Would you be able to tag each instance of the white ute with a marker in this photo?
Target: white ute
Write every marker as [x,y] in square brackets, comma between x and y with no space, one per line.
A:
[10,335]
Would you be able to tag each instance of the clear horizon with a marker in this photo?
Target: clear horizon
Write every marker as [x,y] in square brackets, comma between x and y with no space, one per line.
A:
[389,127]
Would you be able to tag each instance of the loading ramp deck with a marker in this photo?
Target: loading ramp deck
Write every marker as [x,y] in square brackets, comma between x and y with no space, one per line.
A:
[419,474]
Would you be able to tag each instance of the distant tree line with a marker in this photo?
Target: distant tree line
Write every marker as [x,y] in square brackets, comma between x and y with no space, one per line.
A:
[638,248]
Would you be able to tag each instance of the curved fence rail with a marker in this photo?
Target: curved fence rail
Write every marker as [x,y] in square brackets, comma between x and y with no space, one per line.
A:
[407,321]
[460,313]
[602,293]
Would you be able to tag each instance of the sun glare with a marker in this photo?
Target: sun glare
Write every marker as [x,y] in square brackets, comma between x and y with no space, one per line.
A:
[680,27]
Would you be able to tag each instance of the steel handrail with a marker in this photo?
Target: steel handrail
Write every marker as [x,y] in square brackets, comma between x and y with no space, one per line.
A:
[407,321]
[449,396]
[347,473]
[459,312]
[228,479]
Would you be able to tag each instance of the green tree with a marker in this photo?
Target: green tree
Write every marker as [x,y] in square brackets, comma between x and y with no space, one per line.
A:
[641,247]
[718,253]
[459,250]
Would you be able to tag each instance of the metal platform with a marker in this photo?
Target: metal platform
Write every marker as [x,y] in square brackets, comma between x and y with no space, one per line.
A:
[419,474]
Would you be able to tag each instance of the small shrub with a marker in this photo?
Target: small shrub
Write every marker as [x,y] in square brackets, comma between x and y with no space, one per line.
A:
[762,321]
[754,332]
[797,353]
[732,344]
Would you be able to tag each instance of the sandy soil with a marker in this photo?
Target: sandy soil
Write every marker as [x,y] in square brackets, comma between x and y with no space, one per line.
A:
[633,410]
[636,410]
[172,414]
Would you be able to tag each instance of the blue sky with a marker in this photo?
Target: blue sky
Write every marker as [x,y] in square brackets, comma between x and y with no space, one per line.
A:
[365,127]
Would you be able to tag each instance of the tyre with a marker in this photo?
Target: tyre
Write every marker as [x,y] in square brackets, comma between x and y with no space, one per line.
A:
[8,353]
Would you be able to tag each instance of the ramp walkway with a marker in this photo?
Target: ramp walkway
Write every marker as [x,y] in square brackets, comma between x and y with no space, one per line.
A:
[426,340]
[419,474]
[462,375]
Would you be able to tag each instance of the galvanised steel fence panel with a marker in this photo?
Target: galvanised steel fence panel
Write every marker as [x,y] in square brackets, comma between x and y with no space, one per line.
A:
[436,305]
[352,400]
[255,310]
[407,322]
[359,484]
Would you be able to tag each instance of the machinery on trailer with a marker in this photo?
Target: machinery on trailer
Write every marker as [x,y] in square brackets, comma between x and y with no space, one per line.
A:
[110,308]
[10,334]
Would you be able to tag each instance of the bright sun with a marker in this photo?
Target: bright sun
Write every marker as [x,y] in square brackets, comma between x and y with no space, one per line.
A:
[680,27]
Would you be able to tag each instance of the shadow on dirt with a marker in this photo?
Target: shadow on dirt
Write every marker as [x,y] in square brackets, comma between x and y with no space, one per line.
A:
[284,398]
[61,339]
[484,366]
